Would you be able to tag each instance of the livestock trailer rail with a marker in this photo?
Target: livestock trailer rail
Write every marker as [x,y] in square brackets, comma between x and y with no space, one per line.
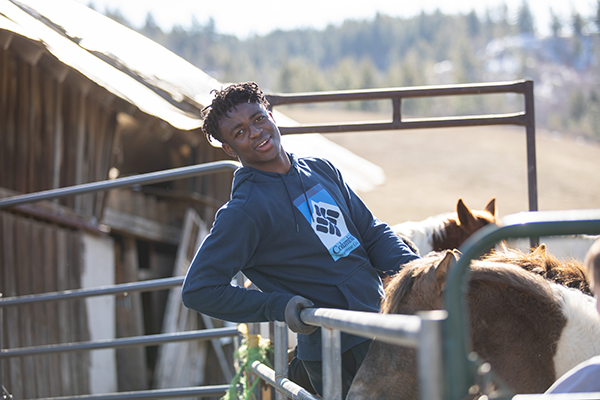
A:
[525,118]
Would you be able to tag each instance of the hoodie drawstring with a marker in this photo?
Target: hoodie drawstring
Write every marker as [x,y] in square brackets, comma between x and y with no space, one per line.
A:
[305,195]
[292,202]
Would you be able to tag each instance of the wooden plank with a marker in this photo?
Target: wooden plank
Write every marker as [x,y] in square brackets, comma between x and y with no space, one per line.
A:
[49,88]
[121,222]
[4,79]
[70,112]
[50,285]
[22,127]
[11,314]
[34,127]
[81,360]
[47,211]
[100,171]
[40,317]
[131,362]
[62,283]
[184,364]
[10,124]
[80,139]
[58,137]
[25,312]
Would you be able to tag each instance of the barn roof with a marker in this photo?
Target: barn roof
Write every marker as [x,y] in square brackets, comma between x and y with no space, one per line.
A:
[146,74]
[127,64]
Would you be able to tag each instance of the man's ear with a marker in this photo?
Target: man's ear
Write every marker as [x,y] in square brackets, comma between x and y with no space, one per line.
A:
[227,148]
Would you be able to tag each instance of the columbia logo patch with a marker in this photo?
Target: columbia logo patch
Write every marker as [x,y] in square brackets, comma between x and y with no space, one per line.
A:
[327,221]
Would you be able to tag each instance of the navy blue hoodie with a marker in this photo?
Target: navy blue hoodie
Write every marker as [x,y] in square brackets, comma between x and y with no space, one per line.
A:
[327,252]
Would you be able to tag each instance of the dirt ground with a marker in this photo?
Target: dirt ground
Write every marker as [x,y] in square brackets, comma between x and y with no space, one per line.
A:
[428,170]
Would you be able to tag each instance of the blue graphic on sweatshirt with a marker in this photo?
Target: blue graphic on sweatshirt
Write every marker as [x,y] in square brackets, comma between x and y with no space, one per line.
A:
[327,221]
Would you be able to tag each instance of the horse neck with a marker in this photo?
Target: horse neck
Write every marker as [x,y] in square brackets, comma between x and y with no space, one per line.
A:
[424,233]
[449,236]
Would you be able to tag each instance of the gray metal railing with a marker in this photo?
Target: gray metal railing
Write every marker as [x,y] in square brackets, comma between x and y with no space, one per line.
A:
[526,118]
[145,340]
[128,181]
[158,284]
[422,331]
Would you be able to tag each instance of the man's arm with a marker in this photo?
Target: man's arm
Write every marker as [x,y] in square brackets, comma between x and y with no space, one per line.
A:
[228,249]
[386,250]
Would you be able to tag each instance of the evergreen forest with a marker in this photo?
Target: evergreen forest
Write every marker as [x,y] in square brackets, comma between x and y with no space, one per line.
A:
[427,49]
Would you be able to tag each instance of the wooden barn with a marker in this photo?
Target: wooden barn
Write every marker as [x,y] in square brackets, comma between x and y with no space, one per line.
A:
[84,99]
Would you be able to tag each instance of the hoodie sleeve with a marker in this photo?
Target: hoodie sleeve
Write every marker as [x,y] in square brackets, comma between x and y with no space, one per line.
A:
[387,251]
[227,250]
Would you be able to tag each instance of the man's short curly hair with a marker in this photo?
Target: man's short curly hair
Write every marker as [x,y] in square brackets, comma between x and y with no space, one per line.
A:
[225,100]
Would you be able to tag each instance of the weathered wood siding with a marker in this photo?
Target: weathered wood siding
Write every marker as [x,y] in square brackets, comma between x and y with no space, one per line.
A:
[53,133]
[37,257]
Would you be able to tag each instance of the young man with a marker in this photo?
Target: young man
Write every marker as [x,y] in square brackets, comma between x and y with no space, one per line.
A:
[295,229]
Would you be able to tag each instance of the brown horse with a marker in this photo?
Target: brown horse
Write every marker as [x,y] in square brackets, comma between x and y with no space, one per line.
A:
[446,231]
[528,328]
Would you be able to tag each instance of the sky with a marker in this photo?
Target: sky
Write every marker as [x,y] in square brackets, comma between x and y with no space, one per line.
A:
[245,18]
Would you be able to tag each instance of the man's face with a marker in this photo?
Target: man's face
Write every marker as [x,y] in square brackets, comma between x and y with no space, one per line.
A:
[249,133]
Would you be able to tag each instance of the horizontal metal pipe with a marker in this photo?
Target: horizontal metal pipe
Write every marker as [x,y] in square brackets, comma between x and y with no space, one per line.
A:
[282,384]
[142,179]
[171,393]
[150,285]
[391,328]
[412,92]
[414,123]
[146,340]
[558,396]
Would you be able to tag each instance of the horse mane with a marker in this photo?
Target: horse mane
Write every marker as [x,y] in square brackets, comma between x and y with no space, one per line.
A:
[567,272]
[423,271]
[428,274]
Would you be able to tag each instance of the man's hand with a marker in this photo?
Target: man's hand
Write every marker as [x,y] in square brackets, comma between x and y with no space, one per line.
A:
[292,315]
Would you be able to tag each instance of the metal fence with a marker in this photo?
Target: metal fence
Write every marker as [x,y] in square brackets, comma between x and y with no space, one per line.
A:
[525,118]
[147,340]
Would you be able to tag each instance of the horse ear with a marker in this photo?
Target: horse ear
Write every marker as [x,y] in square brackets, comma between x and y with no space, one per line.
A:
[540,250]
[491,207]
[447,262]
[465,216]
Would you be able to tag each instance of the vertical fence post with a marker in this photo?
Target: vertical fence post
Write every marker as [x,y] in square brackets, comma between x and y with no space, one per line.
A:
[430,355]
[531,156]
[332,363]
[281,347]
[1,347]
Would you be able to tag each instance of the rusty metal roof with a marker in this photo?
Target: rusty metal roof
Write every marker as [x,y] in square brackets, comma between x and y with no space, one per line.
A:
[126,63]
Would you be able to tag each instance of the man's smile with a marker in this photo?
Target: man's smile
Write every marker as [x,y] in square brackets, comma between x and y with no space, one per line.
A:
[263,144]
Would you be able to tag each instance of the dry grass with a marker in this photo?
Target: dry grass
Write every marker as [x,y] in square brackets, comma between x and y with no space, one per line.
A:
[428,170]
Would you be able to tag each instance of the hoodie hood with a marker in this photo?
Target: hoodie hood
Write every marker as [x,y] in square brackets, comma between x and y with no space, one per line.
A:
[254,175]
